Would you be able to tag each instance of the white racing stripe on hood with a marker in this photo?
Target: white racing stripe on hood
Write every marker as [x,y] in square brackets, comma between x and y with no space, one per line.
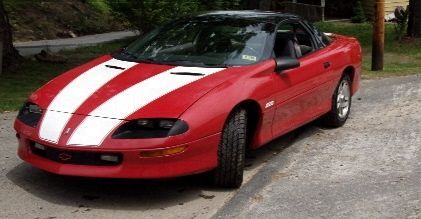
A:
[93,130]
[74,94]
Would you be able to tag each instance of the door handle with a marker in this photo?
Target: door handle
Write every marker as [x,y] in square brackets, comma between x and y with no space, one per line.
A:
[326,64]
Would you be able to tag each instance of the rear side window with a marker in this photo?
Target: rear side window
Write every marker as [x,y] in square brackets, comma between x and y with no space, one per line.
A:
[322,36]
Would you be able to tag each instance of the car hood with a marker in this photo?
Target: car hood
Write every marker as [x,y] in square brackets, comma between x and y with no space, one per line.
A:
[111,88]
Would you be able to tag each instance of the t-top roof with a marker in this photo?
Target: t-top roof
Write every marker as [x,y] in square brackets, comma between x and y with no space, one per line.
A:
[268,16]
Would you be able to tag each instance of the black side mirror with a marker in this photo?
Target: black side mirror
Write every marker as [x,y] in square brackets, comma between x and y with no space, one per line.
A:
[285,63]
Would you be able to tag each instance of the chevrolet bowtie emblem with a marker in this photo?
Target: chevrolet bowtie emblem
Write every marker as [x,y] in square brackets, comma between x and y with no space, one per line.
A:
[64,156]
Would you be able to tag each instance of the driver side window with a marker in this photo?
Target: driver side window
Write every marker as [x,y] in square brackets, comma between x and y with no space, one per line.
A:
[292,40]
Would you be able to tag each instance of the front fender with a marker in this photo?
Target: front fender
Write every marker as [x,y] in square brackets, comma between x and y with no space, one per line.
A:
[207,116]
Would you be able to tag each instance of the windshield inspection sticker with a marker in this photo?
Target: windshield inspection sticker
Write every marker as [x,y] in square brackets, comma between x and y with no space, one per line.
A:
[250,58]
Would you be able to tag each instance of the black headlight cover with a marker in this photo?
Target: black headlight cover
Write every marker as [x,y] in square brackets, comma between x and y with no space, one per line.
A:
[30,114]
[150,128]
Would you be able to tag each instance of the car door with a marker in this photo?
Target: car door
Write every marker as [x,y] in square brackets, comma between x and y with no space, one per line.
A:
[300,94]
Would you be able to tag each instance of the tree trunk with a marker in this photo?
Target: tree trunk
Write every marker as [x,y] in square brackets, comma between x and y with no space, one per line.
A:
[10,54]
[414,24]
[1,56]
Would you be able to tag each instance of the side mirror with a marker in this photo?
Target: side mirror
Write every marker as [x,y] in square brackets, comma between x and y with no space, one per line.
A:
[285,63]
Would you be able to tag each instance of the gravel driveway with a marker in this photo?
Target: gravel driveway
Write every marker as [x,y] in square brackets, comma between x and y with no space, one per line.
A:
[370,168]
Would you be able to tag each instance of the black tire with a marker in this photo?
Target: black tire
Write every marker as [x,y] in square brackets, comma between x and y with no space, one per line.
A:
[332,118]
[231,151]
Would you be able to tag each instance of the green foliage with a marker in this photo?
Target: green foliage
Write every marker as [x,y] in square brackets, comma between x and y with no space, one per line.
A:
[88,25]
[100,5]
[359,15]
[205,5]
[401,15]
[42,19]
[147,14]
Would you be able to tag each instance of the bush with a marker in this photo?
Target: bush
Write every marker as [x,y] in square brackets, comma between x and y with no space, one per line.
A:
[144,15]
[205,5]
[100,5]
[359,15]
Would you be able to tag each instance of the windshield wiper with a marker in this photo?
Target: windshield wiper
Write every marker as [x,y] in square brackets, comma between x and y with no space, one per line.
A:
[219,65]
[149,61]
[196,63]
[130,55]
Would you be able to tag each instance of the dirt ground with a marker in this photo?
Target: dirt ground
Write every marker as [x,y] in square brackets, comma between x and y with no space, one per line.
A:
[370,168]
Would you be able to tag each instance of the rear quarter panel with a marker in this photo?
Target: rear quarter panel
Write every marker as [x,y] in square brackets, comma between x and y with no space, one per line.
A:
[346,52]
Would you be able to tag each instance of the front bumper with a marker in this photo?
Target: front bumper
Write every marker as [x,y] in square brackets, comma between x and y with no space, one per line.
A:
[199,156]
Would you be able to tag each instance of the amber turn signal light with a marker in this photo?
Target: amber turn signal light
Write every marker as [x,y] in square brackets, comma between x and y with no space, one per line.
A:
[163,152]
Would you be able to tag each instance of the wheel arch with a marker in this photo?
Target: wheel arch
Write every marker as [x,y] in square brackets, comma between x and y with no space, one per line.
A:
[254,117]
[354,77]
[350,71]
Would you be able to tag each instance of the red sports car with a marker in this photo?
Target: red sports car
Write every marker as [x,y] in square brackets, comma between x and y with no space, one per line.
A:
[190,97]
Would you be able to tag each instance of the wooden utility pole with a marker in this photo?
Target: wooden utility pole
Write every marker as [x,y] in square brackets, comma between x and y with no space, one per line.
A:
[377,60]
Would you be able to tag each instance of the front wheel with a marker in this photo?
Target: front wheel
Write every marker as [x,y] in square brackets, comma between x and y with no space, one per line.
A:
[231,151]
[341,104]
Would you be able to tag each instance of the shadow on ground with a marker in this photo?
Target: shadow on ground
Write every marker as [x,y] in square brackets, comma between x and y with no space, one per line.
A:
[137,194]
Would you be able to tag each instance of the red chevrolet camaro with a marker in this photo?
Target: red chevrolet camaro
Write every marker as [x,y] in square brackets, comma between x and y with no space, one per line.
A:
[190,97]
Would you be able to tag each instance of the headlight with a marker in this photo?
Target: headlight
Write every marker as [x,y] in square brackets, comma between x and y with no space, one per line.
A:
[30,114]
[150,128]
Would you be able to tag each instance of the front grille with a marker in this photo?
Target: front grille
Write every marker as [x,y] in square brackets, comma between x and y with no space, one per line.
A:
[75,157]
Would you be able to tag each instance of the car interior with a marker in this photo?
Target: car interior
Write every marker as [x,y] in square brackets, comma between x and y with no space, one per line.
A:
[292,41]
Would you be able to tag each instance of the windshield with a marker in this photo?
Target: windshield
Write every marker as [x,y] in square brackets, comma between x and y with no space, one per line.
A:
[203,41]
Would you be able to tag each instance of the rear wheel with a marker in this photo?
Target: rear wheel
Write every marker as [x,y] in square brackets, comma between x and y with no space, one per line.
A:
[231,151]
[341,104]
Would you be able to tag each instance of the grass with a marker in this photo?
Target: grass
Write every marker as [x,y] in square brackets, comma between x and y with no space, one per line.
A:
[401,58]
[16,86]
